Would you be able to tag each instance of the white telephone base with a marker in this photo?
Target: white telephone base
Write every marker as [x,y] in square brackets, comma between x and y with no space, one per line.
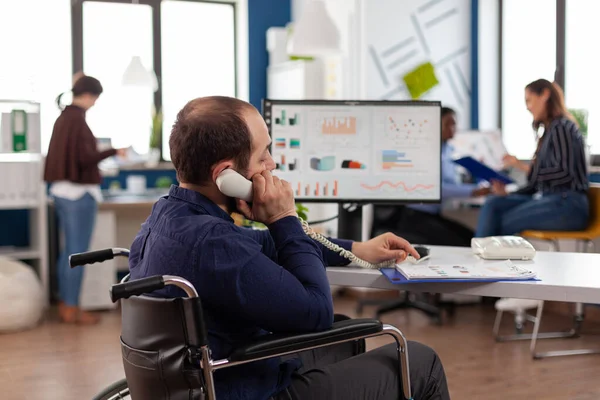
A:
[503,248]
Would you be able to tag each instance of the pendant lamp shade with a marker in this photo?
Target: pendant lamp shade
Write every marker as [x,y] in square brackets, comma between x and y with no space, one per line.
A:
[137,75]
[315,33]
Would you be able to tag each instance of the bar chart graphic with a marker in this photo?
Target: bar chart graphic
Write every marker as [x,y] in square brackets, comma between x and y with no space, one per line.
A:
[284,119]
[316,189]
[281,119]
[294,120]
[338,126]
[391,159]
[280,143]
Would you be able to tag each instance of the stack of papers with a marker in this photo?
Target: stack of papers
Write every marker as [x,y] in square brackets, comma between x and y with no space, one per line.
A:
[501,270]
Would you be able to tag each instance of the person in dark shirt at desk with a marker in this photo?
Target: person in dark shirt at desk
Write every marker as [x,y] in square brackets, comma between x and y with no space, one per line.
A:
[555,196]
[255,282]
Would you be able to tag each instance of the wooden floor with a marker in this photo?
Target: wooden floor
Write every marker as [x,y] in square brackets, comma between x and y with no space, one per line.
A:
[57,361]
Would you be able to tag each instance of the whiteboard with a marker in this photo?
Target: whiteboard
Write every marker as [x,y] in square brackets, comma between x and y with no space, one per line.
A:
[401,35]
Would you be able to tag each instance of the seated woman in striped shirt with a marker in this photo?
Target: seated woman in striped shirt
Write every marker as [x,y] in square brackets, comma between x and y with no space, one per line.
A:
[555,196]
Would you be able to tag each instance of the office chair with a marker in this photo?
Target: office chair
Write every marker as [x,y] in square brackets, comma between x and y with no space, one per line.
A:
[519,307]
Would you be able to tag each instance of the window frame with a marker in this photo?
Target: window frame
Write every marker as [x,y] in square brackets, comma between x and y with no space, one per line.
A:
[561,39]
[77,41]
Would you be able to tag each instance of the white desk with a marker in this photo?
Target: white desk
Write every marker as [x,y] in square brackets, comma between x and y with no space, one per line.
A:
[568,277]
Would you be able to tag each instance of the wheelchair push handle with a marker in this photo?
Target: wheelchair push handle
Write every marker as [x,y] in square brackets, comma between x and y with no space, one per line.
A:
[96,256]
[142,286]
[136,287]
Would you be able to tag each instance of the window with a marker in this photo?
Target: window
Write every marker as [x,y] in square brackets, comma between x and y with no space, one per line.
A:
[581,85]
[198,56]
[123,114]
[528,53]
[35,37]
[190,44]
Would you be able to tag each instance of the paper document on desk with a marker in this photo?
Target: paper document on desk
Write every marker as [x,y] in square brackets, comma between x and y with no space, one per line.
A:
[505,270]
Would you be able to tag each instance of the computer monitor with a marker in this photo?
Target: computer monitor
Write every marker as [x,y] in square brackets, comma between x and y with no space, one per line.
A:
[357,151]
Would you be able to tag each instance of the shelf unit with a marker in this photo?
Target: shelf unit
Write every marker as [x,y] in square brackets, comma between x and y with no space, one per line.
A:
[23,187]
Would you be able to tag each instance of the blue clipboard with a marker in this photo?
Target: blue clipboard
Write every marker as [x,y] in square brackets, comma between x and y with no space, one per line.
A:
[482,171]
[397,278]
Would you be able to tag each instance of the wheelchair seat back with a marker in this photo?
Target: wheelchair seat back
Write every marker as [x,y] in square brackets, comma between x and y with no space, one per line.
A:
[157,337]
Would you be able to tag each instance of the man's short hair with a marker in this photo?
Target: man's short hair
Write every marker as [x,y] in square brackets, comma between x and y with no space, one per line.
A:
[447,111]
[206,131]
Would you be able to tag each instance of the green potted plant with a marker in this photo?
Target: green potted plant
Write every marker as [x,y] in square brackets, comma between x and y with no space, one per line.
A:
[302,211]
[155,138]
[581,116]
[163,182]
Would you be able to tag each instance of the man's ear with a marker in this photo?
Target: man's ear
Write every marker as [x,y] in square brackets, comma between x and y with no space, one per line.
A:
[220,167]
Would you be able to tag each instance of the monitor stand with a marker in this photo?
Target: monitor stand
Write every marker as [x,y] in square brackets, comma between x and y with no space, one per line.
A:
[350,223]
[350,227]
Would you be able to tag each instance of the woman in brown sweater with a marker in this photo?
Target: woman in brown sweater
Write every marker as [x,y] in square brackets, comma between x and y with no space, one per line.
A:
[72,170]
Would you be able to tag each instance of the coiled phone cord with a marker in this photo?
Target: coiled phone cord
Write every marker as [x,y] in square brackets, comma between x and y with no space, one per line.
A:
[341,251]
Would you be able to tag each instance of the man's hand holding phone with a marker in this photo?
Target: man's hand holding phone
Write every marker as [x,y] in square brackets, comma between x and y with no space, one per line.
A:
[273,199]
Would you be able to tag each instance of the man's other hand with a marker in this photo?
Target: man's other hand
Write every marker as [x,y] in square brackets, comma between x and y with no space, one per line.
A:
[384,247]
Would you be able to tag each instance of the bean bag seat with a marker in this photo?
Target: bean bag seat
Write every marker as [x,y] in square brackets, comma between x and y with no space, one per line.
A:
[21,296]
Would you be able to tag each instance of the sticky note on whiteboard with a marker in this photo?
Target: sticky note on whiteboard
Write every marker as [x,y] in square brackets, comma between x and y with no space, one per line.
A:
[420,80]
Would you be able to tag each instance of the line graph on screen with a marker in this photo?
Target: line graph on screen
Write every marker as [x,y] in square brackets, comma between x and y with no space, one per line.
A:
[398,187]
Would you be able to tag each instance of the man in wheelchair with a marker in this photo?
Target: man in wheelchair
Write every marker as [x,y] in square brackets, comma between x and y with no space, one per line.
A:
[255,282]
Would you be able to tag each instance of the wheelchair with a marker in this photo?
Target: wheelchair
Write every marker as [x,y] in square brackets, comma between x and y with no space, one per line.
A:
[165,347]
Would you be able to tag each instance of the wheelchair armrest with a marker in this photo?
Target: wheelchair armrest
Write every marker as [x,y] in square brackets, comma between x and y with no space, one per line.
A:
[277,344]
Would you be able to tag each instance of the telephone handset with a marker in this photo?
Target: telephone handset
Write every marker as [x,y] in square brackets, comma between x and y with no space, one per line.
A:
[232,184]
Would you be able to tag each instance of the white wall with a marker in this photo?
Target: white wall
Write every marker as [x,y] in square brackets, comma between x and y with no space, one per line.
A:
[343,13]
[373,31]
[401,35]
[489,71]
[243,73]
[297,8]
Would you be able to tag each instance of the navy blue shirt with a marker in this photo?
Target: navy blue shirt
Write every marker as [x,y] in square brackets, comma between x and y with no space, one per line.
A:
[251,282]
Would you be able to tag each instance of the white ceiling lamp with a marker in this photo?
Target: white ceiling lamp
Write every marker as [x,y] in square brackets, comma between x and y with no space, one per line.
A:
[315,33]
[137,75]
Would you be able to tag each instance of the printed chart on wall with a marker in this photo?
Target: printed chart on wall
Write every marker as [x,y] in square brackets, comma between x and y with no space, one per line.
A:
[387,151]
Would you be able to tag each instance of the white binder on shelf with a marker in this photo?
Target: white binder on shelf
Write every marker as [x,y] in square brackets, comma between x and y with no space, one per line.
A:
[23,186]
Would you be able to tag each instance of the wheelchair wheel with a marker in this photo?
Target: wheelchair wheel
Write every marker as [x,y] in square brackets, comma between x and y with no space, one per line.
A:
[116,391]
